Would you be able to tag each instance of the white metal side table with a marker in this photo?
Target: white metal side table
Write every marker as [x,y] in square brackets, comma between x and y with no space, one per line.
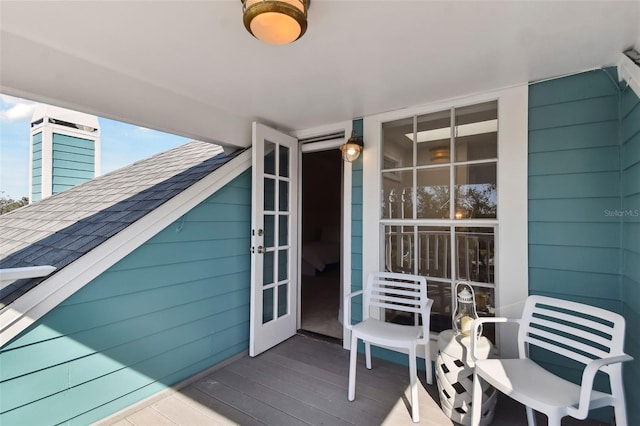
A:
[454,374]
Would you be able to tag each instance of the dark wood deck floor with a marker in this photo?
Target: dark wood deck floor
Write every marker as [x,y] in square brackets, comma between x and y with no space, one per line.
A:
[302,381]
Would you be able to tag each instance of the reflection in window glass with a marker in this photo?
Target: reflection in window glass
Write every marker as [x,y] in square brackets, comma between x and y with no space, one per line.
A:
[434,251]
[475,250]
[476,191]
[269,194]
[397,195]
[268,268]
[399,249]
[269,158]
[433,138]
[433,193]
[284,196]
[269,230]
[397,144]
[267,305]
[477,132]
[284,161]
[283,301]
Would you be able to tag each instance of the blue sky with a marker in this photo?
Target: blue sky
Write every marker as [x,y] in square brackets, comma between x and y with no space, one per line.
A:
[122,144]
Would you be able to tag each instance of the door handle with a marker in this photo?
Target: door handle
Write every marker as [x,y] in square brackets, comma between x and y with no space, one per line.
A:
[261,249]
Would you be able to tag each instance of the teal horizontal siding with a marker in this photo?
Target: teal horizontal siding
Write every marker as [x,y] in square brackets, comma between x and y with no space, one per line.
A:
[65,164]
[599,286]
[175,306]
[584,111]
[586,160]
[605,235]
[72,156]
[630,141]
[73,173]
[36,167]
[579,185]
[562,90]
[73,143]
[584,203]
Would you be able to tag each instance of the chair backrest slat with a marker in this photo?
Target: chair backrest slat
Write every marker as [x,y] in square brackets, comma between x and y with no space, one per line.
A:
[399,292]
[574,330]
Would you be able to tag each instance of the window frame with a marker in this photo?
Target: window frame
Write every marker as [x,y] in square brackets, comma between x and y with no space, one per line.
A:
[511,238]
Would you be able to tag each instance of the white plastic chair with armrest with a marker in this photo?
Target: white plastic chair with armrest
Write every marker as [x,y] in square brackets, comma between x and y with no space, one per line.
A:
[592,336]
[401,292]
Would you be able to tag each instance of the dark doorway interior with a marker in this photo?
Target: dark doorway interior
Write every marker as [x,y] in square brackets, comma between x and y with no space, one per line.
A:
[321,241]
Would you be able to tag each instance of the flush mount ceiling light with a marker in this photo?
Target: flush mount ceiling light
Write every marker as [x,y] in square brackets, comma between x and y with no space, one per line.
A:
[275,21]
[351,150]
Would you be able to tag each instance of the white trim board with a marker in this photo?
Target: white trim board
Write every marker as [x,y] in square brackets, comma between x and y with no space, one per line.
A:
[629,72]
[48,294]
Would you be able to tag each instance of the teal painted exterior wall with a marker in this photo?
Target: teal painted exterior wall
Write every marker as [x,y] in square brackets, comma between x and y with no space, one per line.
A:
[356,228]
[175,306]
[73,161]
[630,191]
[36,168]
[584,188]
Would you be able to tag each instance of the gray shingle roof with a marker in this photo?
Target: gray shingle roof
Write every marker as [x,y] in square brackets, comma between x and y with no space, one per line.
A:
[60,229]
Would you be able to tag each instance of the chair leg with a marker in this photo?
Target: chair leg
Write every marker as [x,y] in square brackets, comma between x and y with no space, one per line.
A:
[367,354]
[353,358]
[531,416]
[413,383]
[617,391]
[428,364]
[476,401]
[554,420]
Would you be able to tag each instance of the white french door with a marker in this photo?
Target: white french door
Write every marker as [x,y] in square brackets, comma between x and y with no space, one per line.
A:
[274,274]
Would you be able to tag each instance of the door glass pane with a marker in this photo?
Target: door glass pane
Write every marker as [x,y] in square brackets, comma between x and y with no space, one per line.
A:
[269,230]
[269,194]
[267,268]
[433,138]
[399,248]
[476,191]
[283,262]
[397,199]
[477,132]
[284,161]
[267,305]
[397,144]
[440,293]
[434,251]
[283,300]
[475,249]
[269,158]
[433,192]
[283,230]
[284,196]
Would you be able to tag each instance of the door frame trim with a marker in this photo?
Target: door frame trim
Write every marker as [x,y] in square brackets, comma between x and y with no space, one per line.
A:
[347,179]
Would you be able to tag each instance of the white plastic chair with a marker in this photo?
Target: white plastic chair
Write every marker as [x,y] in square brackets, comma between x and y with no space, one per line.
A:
[592,336]
[401,292]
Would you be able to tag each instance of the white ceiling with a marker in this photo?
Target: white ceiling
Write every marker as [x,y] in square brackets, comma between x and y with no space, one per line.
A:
[190,67]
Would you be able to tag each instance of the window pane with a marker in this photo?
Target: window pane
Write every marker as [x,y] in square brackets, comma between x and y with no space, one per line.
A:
[284,161]
[477,132]
[269,230]
[397,143]
[476,191]
[434,251]
[399,249]
[441,312]
[475,250]
[283,265]
[267,268]
[433,193]
[269,158]
[434,138]
[284,196]
[267,305]
[397,195]
[269,194]
[283,301]
[283,230]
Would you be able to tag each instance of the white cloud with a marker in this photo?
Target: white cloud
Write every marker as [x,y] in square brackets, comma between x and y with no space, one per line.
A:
[14,109]
[144,129]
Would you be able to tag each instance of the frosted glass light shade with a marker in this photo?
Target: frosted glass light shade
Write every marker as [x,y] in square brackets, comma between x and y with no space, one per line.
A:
[276,21]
